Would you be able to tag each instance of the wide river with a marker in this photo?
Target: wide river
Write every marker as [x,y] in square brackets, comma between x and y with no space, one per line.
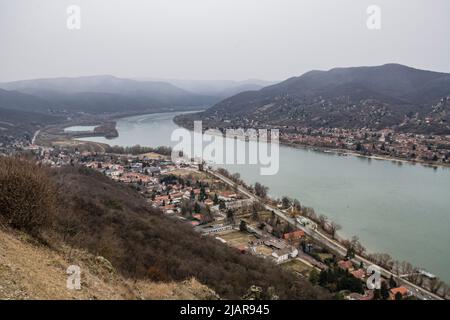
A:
[397,208]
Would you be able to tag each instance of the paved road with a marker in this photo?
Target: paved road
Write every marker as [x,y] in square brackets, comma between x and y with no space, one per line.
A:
[35,136]
[419,292]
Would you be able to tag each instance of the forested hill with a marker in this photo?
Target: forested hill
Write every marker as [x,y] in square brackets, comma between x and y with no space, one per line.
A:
[390,95]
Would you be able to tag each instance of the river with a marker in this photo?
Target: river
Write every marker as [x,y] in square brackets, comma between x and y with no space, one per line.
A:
[397,208]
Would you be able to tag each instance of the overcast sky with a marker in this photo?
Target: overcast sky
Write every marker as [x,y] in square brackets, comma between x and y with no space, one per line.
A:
[217,39]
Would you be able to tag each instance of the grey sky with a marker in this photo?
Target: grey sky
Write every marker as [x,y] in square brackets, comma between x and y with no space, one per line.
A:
[217,39]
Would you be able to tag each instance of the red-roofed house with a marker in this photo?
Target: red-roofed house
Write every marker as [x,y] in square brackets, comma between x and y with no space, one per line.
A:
[294,235]
[359,274]
[402,290]
[346,265]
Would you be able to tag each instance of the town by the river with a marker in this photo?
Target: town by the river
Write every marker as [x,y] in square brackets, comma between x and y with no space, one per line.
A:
[394,207]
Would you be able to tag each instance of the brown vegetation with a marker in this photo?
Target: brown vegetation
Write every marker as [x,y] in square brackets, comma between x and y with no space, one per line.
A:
[142,244]
[27,197]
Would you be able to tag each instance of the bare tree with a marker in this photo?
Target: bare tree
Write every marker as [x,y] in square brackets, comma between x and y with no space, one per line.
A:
[297,206]
[285,202]
[322,220]
[435,285]
[445,291]
[333,227]
[261,190]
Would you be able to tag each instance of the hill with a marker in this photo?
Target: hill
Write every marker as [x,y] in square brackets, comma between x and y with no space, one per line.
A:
[390,95]
[83,209]
[96,94]
[220,89]
[30,270]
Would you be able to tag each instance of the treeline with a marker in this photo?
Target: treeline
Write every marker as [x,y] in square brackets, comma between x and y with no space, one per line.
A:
[138,149]
[112,220]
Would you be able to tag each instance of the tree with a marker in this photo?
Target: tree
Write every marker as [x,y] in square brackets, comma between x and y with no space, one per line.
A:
[333,227]
[322,220]
[235,177]
[285,202]
[230,216]
[197,207]
[445,291]
[384,291]
[314,276]
[297,206]
[350,253]
[202,194]
[255,215]
[243,226]
[216,199]
[261,190]
[435,285]
[398,296]
[392,282]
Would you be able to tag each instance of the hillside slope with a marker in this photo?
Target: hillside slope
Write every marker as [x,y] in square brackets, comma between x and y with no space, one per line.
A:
[87,211]
[390,95]
[29,270]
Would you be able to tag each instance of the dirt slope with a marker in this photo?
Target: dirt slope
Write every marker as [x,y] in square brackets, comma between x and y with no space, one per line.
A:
[33,271]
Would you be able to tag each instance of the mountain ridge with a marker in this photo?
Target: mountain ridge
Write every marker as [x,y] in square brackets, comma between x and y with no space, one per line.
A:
[375,97]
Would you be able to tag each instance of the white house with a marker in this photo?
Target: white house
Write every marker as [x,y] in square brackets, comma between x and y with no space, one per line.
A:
[284,254]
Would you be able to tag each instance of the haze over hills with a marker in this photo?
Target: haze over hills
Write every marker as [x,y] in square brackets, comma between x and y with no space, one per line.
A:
[391,95]
[217,88]
[96,94]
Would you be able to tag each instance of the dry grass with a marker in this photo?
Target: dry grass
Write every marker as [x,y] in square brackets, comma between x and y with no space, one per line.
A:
[32,271]
[297,266]
[237,238]
[27,196]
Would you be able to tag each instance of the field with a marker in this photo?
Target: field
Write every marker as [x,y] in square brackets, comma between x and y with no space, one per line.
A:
[153,155]
[298,266]
[237,238]
[264,250]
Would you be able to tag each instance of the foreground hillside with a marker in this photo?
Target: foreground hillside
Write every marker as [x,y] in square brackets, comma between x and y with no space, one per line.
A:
[29,270]
[84,210]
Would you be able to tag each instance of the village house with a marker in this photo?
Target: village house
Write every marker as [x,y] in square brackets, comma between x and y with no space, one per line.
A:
[399,290]
[294,235]
[359,274]
[284,254]
[217,228]
[346,265]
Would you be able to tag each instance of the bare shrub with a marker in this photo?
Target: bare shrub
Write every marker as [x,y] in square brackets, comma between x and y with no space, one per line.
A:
[27,197]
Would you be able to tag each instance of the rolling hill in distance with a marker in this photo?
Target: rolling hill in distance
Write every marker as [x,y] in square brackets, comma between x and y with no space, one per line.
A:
[96,94]
[218,88]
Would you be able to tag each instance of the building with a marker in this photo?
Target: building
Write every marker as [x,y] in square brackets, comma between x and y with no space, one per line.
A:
[359,274]
[217,228]
[402,290]
[284,254]
[294,235]
[346,265]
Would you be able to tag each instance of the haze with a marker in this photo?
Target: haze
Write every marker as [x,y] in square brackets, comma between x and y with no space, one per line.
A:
[217,39]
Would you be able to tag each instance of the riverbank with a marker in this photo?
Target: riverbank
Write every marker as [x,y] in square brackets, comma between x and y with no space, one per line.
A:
[105,127]
[343,152]
[110,132]
[336,244]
